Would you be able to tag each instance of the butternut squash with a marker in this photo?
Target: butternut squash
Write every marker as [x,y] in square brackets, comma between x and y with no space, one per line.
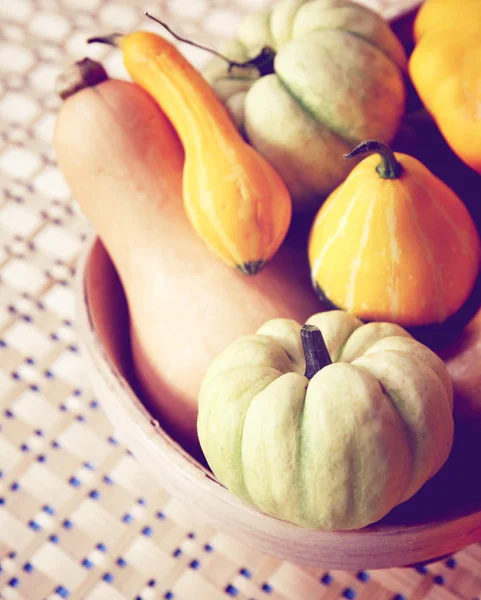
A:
[234,198]
[124,164]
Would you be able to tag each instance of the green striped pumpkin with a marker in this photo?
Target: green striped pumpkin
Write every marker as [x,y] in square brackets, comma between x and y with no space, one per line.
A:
[336,79]
[326,445]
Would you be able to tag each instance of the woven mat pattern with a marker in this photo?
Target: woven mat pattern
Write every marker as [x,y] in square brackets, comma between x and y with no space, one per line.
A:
[78,516]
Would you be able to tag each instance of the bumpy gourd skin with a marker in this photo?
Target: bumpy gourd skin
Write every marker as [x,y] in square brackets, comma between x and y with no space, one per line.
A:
[337,80]
[338,451]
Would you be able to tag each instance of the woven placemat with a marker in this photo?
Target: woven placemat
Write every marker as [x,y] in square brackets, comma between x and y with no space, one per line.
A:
[78,516]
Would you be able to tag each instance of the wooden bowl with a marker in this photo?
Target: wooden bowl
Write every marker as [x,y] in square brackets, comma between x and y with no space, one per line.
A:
[443,517]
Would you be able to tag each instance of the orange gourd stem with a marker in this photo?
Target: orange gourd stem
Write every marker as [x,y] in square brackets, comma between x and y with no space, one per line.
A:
[389,167]
[234,199]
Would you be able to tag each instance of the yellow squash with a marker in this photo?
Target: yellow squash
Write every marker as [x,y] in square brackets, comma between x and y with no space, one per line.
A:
[234,199]
[394,243]
[445,68]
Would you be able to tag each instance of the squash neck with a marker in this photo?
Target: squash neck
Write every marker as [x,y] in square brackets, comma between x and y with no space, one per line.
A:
[389,167]
[315,350]
[180,90]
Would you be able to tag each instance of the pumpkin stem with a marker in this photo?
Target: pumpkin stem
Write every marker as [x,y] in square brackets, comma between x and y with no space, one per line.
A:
[315,350]
[263,62]
[78,76]
[389,167]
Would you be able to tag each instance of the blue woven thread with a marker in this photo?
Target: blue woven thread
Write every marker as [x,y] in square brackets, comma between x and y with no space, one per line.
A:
[62,591]
[231,590]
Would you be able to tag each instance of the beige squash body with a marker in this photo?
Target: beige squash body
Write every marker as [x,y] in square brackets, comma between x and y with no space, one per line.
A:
[124,162]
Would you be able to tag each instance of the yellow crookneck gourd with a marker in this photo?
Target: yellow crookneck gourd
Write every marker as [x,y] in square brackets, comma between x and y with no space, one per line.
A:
[234,199]
[394,243]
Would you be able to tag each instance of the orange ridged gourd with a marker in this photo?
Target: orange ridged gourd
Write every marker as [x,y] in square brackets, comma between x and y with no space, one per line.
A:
[445,68]
[394,243]
[234,199]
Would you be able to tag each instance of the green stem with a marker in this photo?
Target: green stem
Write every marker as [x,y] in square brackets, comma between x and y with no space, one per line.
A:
[389,167]
[263,62]
[315,350]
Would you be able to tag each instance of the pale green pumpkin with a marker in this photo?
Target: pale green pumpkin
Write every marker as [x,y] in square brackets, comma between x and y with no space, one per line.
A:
[326,447]
[336,80]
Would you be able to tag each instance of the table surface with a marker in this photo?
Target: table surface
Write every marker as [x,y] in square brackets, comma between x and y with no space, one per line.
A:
[79,518]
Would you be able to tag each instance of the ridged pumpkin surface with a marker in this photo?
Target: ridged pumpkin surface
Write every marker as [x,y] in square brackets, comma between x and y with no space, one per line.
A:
[338,450]
[337,80]
[403,250]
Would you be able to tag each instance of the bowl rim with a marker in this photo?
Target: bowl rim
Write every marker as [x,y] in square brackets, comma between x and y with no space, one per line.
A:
[410,544]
